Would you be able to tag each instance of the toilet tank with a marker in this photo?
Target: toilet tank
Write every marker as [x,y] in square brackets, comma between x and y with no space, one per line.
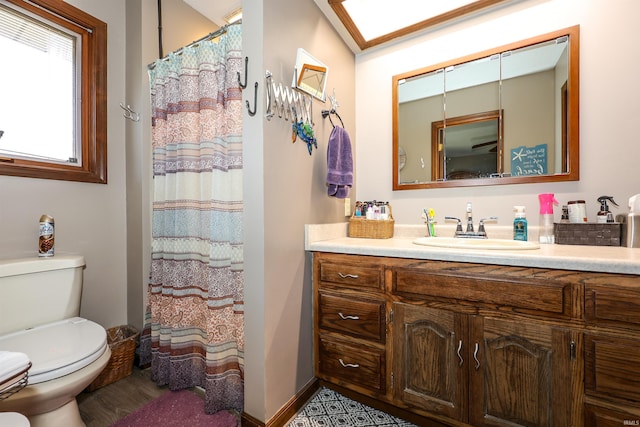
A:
[34,291]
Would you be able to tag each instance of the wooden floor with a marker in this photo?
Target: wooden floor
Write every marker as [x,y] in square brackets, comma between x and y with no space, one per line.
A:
[106,405]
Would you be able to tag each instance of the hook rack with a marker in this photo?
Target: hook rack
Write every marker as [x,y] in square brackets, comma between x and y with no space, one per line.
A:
[294,106]
[129,113]
[244,86]
[285,101]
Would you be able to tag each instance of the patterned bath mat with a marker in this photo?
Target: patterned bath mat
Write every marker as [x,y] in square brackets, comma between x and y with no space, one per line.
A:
[331,409]
[177,409]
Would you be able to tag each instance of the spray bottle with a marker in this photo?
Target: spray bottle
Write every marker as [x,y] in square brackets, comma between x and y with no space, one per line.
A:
[604,215]
[546,235]
[46,238]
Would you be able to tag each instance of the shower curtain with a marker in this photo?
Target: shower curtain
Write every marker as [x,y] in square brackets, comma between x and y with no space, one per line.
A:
[193,333]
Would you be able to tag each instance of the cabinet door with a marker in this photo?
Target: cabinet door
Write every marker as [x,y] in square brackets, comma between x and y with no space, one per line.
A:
[603,417]
[430,372]
[524,374]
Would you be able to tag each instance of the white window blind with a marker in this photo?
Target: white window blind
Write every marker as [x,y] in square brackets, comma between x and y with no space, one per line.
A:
[39,90]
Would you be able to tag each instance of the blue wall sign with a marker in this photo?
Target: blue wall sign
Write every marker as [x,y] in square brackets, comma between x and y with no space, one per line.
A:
[529,160]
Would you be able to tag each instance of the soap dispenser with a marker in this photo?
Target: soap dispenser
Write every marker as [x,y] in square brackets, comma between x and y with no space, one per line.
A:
[604,215]
[520,224]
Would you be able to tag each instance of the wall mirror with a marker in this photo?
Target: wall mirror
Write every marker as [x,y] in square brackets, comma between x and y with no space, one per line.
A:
[503,116]
[310,75]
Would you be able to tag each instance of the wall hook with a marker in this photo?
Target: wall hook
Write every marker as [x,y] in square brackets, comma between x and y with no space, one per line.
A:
[129,113]
[246,66]
[255,102]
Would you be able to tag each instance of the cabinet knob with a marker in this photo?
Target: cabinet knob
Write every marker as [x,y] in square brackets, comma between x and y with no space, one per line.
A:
[349,276]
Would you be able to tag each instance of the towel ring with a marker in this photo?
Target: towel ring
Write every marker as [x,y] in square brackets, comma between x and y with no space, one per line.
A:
[327,113]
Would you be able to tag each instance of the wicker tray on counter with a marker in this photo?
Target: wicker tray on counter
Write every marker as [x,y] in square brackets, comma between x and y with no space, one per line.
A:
[371,228]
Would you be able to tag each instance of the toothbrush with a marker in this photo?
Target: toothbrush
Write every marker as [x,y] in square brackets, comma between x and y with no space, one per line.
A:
[431,222]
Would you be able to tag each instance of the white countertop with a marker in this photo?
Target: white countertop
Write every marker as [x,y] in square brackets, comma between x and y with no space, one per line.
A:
[609,259]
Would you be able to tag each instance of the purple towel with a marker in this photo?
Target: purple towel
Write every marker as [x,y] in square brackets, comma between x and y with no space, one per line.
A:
[339,163]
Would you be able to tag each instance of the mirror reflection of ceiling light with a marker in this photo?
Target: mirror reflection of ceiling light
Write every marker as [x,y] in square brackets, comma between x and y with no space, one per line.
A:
[372,22]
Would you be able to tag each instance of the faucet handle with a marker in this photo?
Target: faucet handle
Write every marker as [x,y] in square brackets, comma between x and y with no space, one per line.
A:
[459,226]
[483,220]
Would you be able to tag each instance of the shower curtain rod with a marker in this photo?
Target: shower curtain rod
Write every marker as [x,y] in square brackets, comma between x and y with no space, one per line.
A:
[209,36]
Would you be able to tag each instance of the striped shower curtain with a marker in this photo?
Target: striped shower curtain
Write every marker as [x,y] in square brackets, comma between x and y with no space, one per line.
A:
[193,333]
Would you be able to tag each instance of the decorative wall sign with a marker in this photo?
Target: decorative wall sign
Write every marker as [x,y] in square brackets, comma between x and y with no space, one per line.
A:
[529,160]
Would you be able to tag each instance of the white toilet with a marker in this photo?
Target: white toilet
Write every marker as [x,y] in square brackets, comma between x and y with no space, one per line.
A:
[39,309]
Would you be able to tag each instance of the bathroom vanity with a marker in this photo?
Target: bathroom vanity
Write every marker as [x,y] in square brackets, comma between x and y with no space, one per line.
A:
[546,337]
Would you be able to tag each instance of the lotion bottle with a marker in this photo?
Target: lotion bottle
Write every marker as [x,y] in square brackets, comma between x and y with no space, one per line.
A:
[520,224]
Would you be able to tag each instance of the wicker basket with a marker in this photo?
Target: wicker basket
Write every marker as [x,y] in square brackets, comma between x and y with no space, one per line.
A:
[371,228]
[122,342]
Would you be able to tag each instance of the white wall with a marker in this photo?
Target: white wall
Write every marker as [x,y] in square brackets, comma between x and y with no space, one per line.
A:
[90,218]
[609,107]
[108,224]
[285,189]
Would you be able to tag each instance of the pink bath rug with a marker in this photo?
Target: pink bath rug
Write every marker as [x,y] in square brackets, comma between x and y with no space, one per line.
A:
[177,409]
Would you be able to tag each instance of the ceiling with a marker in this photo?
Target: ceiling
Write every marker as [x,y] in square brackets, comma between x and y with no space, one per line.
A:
[363,24]
[215,10]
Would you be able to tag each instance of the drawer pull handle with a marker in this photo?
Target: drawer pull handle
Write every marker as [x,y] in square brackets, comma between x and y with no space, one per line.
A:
[459,356]
[348,365]
[343,317]
[475,356]
[348,276]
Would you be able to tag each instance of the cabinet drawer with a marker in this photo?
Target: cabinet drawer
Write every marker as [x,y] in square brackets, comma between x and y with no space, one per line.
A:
[354,316]
[612,367]
[351,275]
[549,297]
[359,365]
[610,304]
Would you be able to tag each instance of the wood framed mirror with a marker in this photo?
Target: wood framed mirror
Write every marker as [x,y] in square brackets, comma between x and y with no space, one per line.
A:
[528,91]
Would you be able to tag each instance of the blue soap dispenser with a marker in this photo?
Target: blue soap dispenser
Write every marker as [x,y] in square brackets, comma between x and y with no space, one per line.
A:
[520,224]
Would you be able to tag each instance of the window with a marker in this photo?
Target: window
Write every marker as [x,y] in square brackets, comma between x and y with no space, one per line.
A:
[53,86]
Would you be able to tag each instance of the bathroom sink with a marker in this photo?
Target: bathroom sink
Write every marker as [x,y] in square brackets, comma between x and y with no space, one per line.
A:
[462,243]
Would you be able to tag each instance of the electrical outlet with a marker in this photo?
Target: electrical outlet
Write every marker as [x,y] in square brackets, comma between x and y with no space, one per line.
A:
[347,206]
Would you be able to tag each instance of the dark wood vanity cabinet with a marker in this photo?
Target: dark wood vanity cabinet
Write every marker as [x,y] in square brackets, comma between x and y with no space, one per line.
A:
[612,351]
[480,370]
[481,345]
[351,322]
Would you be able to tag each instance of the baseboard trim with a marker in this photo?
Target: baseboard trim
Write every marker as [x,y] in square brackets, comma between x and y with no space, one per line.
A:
[247,420]
[287,411]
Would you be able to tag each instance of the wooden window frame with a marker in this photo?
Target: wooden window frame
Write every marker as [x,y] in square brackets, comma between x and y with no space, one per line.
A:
[93,105]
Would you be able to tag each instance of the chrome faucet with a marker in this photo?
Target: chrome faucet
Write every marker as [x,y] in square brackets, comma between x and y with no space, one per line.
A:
[470,233]
[469,218]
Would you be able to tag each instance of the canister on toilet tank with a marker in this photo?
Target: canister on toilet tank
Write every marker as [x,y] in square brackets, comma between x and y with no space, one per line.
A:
[46,237]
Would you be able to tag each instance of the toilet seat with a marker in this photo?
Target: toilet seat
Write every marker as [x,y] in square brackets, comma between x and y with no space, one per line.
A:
[59,348]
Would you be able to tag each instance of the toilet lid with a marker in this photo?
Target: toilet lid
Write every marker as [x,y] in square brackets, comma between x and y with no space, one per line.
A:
[58,349]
